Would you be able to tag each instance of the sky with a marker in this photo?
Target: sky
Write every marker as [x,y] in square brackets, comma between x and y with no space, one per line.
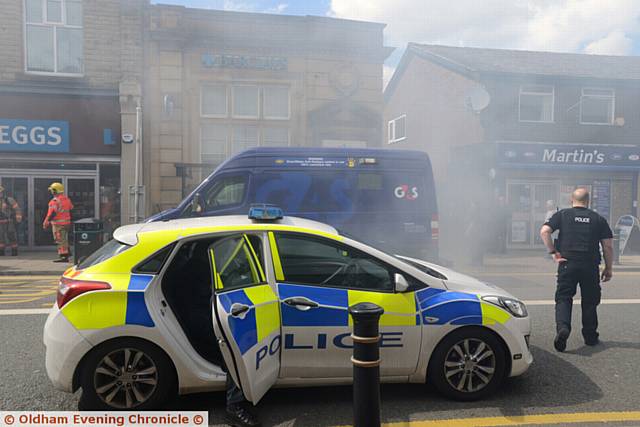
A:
[582,26]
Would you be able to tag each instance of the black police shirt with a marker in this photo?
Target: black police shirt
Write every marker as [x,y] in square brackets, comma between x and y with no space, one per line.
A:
[581,230]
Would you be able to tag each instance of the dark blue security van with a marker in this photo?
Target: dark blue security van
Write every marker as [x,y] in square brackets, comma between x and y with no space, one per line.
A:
[385,198]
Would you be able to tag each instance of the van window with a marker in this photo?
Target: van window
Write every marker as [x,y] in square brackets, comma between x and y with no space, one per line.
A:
[226,192]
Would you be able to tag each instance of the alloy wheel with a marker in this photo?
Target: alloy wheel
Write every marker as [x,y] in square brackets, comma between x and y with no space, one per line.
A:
[125,378]
[470,365]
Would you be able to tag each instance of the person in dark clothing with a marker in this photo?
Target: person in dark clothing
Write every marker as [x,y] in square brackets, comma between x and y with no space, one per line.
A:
[191,268]
[581,233]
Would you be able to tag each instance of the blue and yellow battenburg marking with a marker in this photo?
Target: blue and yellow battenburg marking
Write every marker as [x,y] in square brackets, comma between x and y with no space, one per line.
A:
[427,306]
[99,310]
[260,321]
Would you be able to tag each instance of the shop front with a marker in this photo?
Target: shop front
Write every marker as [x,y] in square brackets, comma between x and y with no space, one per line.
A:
[69,139]
[538,179]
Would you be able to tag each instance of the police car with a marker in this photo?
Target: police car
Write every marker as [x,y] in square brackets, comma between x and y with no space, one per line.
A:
[164,306]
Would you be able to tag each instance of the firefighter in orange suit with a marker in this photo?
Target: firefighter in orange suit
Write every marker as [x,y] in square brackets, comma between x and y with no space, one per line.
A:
[10,215]
[59,217]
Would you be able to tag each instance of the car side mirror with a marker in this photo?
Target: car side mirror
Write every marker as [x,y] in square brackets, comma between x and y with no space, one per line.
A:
[401,284]
[197,204]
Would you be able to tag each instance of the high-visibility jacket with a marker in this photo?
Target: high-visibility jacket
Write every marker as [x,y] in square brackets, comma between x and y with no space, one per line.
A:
[9,210]
[59,212]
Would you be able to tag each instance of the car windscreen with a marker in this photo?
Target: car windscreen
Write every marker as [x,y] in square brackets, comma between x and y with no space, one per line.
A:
[108,250]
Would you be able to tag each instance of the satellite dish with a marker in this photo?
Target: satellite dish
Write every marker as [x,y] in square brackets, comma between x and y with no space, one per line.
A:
[477,99]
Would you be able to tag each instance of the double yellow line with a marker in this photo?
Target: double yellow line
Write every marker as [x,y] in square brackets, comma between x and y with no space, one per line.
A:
[523,420]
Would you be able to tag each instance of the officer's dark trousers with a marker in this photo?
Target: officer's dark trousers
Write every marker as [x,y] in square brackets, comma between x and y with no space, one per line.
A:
[570,274]
[234,393]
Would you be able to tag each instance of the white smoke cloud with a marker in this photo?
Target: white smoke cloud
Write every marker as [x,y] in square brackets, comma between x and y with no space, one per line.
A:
[615,43]
[553,25]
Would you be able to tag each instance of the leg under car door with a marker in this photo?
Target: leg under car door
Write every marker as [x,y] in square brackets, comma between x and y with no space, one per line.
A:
[246,316]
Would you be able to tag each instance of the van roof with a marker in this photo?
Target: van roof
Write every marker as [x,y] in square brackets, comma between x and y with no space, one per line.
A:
[325,151]
[128,234]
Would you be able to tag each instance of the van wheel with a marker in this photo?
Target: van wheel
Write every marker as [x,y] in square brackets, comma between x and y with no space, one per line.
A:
[469,364]
[126,374]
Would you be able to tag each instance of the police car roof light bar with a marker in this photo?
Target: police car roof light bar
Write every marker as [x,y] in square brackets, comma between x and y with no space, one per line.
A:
[264,212]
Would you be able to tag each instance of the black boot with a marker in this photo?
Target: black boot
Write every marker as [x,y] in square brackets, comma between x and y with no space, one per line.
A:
[14,251]
[63,258]
[238,415]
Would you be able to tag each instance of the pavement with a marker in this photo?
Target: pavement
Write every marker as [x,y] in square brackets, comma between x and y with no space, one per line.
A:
[40,263]
[32,263]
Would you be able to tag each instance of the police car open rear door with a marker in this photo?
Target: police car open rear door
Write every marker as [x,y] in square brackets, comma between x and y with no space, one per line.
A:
[246,316]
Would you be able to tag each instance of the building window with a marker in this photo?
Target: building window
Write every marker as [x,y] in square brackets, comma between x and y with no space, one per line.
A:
[275,137]
[246,102]
[213,101]
[397,129]
[536,104]
[53,40]
[213,143]
[275,102]
[597,106]
[244,137]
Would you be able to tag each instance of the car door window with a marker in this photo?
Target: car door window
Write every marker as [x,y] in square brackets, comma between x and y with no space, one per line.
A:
[237,263]
[319,261]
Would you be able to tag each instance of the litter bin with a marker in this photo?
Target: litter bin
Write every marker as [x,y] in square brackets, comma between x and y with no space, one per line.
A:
[87,237]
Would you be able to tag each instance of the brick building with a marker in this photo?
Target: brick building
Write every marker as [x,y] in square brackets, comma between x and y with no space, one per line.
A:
[524,126]
[219,82]
[69,79]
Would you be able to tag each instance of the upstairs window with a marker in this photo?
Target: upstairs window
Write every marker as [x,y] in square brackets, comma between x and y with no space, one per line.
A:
[397,129]
[536,104]
[597,106]
[53,36]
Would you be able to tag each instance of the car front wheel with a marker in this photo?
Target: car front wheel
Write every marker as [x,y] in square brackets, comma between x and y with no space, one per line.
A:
[468,364]
[126,374]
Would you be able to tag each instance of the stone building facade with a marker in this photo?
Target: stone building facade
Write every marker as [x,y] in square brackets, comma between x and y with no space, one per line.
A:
[219,82]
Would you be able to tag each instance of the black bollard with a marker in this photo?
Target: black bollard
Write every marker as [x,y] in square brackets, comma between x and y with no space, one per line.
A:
[366,364]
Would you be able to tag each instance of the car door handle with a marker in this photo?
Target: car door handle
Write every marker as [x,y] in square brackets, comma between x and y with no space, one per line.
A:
[301,303]
[239,310]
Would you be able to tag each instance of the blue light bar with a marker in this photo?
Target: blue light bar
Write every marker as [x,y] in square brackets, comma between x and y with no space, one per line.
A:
[265,213]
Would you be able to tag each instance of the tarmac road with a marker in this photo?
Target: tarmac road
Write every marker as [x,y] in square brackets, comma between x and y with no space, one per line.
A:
[582,380]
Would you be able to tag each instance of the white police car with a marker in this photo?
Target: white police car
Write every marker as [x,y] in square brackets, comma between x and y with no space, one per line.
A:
[134,323]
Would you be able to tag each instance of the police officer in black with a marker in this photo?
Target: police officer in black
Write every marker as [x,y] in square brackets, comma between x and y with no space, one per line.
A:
[577,253]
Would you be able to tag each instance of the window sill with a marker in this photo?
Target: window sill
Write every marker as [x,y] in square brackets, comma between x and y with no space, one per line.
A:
[596,124]
[537,121]
[42,76]
[395,141]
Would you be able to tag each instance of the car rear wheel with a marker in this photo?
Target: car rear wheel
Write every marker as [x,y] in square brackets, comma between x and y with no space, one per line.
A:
[468,364]
[126,374]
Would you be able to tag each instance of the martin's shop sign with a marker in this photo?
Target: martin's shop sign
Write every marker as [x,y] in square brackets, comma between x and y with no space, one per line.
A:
[44,136]
[515,154]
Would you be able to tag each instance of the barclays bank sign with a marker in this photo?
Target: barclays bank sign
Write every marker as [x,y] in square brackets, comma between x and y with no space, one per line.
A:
[43,136]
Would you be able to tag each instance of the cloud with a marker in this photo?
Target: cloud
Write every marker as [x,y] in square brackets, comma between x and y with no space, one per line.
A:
[279,8]
[615,43]
[252,6]
[554,25]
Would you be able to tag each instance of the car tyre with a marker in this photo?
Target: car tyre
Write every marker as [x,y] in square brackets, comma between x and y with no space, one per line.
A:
[468,364]
[126,374]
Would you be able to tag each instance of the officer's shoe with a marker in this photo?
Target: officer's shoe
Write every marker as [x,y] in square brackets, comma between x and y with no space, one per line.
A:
[14,251]
[238,415]
[591,341]
[62,259]
[560,342]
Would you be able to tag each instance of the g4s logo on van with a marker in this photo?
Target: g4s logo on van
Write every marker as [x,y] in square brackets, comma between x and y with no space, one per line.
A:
[406,192]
